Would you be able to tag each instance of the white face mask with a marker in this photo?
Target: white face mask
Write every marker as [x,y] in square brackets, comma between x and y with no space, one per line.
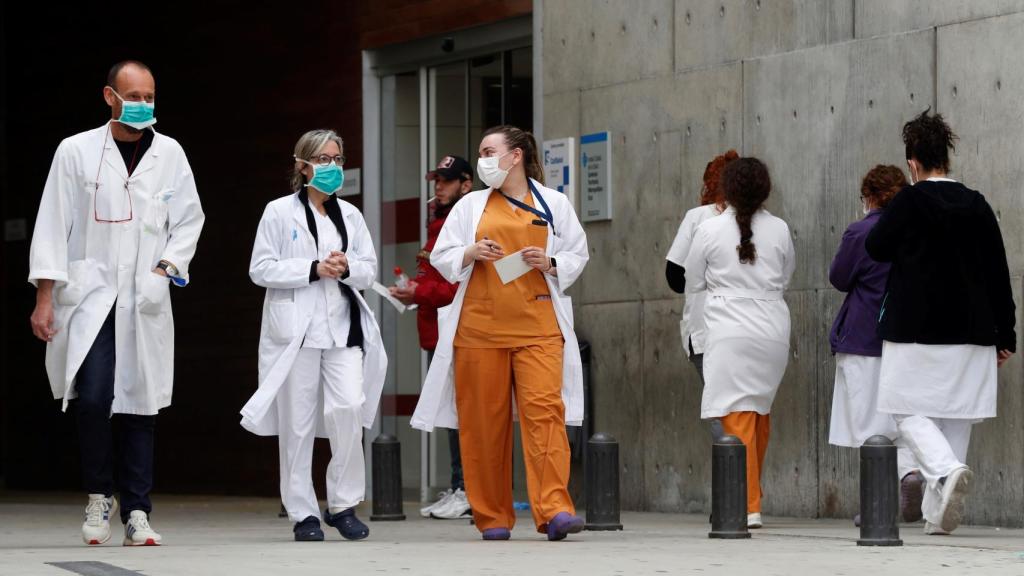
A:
[490,173]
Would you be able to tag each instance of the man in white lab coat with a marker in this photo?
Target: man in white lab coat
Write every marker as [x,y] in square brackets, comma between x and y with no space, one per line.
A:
[118,222]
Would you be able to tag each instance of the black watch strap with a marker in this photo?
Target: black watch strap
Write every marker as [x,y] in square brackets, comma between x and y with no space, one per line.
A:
[553,265]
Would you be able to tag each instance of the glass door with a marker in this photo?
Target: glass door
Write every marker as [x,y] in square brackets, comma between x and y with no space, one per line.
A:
[426,114]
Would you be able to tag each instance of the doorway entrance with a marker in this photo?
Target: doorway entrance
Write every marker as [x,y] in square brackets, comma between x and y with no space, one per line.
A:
[426,111]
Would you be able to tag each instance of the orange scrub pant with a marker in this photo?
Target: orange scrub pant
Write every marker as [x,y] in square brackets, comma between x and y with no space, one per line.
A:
[485,380]
[753,429]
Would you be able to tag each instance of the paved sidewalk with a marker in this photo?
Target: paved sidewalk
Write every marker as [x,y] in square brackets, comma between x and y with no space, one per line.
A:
[221,536]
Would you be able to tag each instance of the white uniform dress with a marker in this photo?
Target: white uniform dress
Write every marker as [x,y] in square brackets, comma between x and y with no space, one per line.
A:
[748,322]
[951,381]
[692,327]
[855,416]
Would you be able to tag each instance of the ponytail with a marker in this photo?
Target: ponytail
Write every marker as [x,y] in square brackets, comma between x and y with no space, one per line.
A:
[746,248]
[519,138]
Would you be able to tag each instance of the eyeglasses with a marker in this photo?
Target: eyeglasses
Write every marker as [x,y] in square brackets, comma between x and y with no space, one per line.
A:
[113,219]
[324,160]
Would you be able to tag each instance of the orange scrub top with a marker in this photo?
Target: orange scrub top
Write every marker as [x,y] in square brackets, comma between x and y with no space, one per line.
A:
[496,315]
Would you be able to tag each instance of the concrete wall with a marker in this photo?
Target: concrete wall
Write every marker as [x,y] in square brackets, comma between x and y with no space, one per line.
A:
[819,90]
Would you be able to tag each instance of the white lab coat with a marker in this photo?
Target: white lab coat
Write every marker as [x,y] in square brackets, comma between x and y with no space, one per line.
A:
[95,264]
[281,259]
[436,406]
[747,320]
[692,327]
[950,381]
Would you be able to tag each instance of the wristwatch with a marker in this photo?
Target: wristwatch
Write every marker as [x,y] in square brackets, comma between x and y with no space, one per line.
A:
[553,265]
[167,267]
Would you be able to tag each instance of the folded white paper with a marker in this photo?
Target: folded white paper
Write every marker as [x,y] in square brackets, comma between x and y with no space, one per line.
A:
[511,267]
[383,291]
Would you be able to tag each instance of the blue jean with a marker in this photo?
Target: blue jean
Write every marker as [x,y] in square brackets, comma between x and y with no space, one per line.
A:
[458,481]
[105,439]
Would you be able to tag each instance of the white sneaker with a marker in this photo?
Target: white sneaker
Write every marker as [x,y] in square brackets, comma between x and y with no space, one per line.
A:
[457,507]
[137,531]
[96,528]
[933,530]
[442,499]
[954,491]
[754,520]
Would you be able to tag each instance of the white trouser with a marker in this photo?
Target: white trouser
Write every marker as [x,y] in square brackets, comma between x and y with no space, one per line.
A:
[333,379]
[905,460]
[939,445]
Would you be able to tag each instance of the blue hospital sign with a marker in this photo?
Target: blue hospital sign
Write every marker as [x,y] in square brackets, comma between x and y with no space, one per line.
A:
[558,166]
[596,190]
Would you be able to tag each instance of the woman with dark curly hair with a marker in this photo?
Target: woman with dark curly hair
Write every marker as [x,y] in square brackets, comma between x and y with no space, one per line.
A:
[854,337]
[947,318]
[692,325]
[744,260]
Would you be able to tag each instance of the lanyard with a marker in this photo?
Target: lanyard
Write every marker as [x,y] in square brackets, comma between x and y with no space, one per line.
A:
[546,214]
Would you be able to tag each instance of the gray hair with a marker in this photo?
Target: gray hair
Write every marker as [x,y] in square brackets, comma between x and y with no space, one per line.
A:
[309,145]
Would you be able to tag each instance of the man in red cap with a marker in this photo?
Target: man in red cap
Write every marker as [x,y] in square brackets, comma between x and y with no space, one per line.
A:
[429,290]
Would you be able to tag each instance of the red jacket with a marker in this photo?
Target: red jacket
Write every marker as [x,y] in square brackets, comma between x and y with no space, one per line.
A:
[432,290]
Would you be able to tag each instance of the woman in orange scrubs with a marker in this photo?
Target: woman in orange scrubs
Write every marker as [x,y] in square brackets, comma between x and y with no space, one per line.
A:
[509,339]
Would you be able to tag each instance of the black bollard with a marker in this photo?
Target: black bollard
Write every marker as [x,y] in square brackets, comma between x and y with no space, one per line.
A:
[728,488]
[879,494]
[602,485]
[387,479]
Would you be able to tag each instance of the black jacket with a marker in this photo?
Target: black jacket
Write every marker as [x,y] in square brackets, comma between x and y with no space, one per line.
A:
[949,282]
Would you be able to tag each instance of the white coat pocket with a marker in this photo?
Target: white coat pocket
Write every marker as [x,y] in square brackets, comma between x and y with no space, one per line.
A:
[281,320]
[71,293]
[156,216]
[153,293]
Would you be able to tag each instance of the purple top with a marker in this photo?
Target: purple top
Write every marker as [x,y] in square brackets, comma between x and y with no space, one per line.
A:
[855,330]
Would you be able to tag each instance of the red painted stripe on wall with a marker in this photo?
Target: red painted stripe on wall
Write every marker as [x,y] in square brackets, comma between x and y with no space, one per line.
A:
[398,404]
[400,221]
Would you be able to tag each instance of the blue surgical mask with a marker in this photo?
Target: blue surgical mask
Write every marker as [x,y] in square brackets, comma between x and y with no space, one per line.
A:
[327,179]
[138,115]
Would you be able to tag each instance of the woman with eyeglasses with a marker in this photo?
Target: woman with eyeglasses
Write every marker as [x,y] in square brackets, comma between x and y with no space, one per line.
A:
[508,336]
[321,360]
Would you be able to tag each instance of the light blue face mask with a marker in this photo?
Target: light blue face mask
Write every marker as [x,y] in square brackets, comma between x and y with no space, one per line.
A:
[327,179]
[138,115]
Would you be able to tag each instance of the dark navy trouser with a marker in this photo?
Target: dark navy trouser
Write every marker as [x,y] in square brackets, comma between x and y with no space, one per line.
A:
[104,439]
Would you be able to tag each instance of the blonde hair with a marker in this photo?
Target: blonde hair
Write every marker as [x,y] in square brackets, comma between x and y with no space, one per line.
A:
[309,145]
